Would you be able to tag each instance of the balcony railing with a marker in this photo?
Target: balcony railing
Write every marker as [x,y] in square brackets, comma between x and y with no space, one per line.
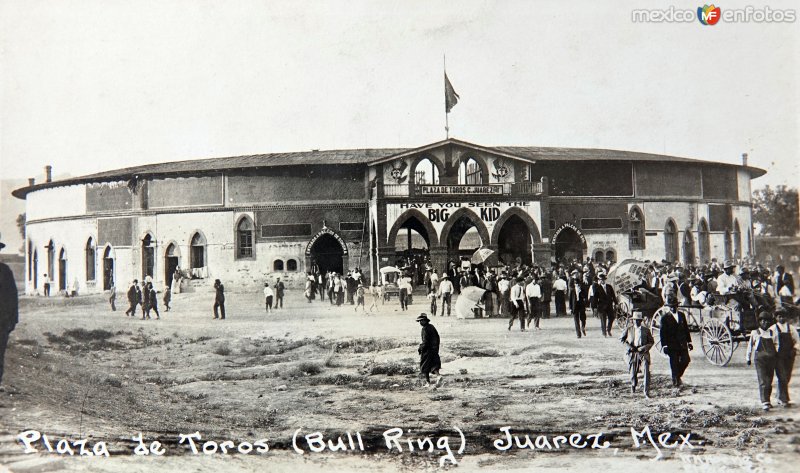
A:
[524,188]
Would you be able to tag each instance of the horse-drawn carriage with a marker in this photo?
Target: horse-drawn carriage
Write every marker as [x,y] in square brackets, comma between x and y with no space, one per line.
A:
[723,322]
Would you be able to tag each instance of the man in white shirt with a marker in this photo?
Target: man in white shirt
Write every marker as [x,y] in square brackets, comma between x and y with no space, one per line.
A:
[727,282]
[445,292]
[434,281]
[560,289]
[533,294]
[517,304]
[503,287]
[639,341]
[761,349]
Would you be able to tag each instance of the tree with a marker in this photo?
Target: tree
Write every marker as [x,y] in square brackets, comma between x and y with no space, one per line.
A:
[21,227]
[776,211]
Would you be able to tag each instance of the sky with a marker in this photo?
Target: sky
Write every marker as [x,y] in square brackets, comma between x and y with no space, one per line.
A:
[88,86]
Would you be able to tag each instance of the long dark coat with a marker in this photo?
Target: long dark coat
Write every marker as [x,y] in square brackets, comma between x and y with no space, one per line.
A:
[429,350]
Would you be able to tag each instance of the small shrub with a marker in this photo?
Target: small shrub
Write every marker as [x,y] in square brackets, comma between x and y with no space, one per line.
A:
[223,350]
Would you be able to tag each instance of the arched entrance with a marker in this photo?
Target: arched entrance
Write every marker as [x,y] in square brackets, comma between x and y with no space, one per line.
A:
[569,243]
[171,261]
[514,242]
[108,268]
[703,242]
[412,242]
[62,270]
[688,248]
[463,234]
[326,252]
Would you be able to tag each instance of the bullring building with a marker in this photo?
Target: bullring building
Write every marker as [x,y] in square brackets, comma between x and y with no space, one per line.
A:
[249,219]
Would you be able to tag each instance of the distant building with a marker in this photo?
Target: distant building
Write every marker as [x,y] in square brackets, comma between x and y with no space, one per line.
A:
[248,219]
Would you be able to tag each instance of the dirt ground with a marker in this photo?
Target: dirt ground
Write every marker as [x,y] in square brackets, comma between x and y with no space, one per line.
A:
[74,370]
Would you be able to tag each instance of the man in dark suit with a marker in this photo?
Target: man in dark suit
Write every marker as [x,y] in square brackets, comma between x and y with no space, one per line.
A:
[577,304]
[219,300]
[605,300]
[9,309]
[784,284]
[676,339]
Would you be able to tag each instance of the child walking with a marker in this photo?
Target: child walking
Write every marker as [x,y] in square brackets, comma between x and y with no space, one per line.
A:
[432,297]
[360,298]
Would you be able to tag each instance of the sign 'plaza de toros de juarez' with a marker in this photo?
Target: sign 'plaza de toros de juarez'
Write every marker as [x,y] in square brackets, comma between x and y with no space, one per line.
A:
[248,219]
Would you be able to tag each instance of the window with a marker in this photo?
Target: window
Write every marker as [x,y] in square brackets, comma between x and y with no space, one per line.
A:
[90,264]
[599,256]
[244,238]
[278,265]
[469,172]
[198,259]
[610,256]
[30,260]
[728,245]
[737,240]
[291,265]
[426,172]
[671,241]
[635,230]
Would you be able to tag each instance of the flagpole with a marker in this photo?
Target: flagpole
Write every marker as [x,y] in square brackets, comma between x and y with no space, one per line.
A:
[446,115]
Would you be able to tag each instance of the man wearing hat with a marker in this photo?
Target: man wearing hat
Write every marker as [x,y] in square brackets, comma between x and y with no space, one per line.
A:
[784,284]
[219,299]
[604,298]
[9,308]
[429,361]
[517,304]
[445,292]
[676,339]
[560,292]
[787,345]
[727,282]
[639,341]
[761,347]
[578,300]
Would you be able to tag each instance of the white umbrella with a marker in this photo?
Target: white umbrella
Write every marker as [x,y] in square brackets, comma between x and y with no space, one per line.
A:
[469,299]
[481,255]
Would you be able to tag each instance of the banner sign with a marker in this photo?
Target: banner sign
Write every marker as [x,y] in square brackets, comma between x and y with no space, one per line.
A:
[626,275]
[491,189]
[571,226]
[326,231]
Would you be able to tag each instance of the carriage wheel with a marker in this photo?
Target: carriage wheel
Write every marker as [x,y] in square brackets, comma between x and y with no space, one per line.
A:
[717,342]
[622,315]
[655,330]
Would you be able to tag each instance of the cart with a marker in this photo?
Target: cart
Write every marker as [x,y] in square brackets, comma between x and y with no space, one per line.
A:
[722,327]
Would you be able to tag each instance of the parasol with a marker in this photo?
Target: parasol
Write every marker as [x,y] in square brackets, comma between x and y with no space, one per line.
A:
[627,274]
[481,255]
[469,299]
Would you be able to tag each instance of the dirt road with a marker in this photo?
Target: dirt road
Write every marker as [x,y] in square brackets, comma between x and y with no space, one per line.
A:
[76,370]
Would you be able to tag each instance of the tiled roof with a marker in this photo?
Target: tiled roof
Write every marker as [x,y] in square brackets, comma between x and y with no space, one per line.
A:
[356,156]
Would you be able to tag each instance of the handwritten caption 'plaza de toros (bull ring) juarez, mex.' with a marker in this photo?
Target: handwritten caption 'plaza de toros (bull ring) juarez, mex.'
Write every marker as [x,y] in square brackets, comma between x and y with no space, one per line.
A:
[394,440]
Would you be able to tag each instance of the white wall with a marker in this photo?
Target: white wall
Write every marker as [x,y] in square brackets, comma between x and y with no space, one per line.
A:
[56,202]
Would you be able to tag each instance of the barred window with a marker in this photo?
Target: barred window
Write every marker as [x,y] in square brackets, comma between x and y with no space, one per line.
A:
[291,265]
